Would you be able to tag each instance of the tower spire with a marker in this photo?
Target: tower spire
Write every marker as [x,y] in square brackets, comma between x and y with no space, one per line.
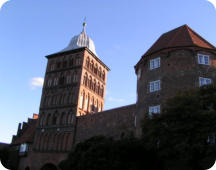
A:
[84,24]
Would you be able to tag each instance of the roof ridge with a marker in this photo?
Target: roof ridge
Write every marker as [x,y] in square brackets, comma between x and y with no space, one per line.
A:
[199,36]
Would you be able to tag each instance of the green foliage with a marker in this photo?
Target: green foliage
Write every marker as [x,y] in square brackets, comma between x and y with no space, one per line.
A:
[104,153]
[182,130]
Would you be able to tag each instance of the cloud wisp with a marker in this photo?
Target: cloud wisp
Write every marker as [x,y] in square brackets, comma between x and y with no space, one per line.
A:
[213,2]
[36,82]
[2,2]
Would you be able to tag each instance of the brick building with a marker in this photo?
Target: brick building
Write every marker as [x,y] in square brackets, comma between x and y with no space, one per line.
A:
[72,101]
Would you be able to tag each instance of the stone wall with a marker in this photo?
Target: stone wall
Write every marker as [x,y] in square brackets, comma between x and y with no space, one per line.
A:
[116,123]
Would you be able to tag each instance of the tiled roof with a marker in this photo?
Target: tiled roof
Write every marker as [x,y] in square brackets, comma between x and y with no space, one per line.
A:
[182,36]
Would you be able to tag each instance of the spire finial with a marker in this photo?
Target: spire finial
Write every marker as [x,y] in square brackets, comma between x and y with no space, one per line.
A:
[84,24]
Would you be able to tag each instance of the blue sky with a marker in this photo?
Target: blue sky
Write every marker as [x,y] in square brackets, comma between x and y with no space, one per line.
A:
[121,30]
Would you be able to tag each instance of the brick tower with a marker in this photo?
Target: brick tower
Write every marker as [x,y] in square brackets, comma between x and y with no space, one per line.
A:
[74,85]
[179,59]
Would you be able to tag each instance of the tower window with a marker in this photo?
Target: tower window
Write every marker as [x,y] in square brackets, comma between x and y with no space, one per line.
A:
[52,67]
[55,82]
[68,79]
[203,59]
[204,81]
[49,82]
[71,62]
[154,86]
[154,109]
[65,64]
[58,64]
[154,63]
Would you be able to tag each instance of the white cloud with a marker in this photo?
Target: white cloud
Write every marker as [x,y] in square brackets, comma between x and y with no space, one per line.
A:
[36,82]
[111,99]
[2,2]
[213,2]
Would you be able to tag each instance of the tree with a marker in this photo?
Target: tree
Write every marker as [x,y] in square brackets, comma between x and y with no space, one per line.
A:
[105,153]
[184,132]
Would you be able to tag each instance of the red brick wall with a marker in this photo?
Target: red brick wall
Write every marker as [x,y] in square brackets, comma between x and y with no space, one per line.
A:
[116,123]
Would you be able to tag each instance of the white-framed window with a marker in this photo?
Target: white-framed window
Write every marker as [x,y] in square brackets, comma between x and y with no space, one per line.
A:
[204,81]
[154,63]
[154,109]
[154,86]
[203,59]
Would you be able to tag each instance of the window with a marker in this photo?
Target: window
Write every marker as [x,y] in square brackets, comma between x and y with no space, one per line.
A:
[68,80]
[52,67]
[49,82]
[55,82]
[78,61]
[81,101]
[139,74]
[154,63]
[211,139]
[203,59]
[154,109]
[204,81]
[154,86]
[23,148]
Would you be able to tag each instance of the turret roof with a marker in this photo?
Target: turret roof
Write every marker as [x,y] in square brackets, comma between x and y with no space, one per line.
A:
[182,36]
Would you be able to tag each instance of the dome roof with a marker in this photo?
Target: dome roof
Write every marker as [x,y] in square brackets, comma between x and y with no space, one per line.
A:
[81,40]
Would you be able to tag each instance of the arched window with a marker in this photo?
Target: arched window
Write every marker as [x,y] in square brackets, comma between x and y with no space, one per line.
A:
[85,79]
[41,117]
[81,100]
[94,85]
[61,80]
[64,64]
[99,72]
[54,119]
[71,62]
[86,102]
[92,104]
[102,91]
[98,88]
[49,100]
[96,69]
[75,77]
[48,119]
[68,120]
[99,107]
[90,82]
[103,75]
[62,119]
[96,106]
[87,62]
[92,66]
[78,61]
[68,79]
[55,83]
[49,83]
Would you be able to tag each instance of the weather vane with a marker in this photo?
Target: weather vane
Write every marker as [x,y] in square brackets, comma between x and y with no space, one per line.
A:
[84,24]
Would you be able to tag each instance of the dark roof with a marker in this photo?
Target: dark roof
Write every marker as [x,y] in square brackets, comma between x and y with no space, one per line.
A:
[182,36]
